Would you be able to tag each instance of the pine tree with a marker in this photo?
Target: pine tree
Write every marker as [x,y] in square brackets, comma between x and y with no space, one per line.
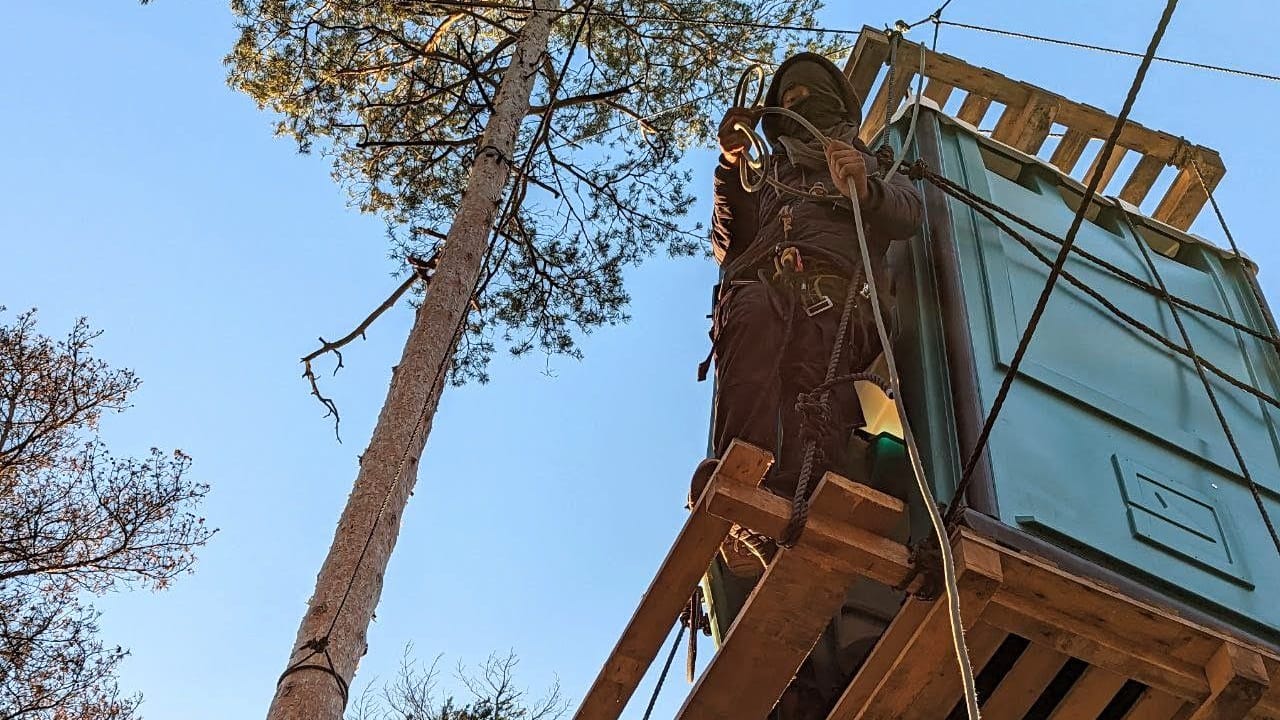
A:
[533,153]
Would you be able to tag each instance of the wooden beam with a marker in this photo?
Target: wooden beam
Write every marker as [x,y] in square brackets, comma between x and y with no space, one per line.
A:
[1092,121]
[869,54]
[886,102]
[1070,148]
[942,689]
[1024,683]
[1154,705]
[1107,172]
[771,637]
[1238,679]
[1144,176]
[938,91]
[846,540]
[801,590]
[1185,197]
[1027,126]
[1089,695]
[672,586]
[974,108]
[923,648]
[1063,633]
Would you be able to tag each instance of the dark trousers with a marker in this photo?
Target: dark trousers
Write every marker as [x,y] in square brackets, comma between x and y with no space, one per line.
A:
[762,366]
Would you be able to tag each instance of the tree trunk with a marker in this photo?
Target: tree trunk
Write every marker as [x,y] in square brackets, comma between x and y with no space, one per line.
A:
[332,637]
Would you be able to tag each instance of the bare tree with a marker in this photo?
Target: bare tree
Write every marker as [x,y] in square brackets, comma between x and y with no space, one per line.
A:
[75,522]
[413,694]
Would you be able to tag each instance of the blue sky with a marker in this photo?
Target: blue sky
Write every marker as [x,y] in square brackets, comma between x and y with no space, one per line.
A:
[139,191]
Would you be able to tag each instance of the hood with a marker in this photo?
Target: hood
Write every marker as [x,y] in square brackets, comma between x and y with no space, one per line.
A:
[851,100]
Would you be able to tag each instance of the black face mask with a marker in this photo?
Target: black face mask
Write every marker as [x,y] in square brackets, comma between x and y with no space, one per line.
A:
[823,106]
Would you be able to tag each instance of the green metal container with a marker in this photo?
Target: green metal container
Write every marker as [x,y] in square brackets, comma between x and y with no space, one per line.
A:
[1107,450]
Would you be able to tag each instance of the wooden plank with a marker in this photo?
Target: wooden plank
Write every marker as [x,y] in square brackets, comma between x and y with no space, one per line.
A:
[771,637]
[1092,121]
[1107,172]
[942,689]
[886,101]
[1144,176]
[884,655]
[923,649]
[1024,683]
[1186,197]
[1026,127]
[938,91]
[1154,705]
[845,538]
[1238,678]
[1184,193]
[974,108]
[870,52]
[1062,632]
[1070,148]
[670,590]
[1089,696]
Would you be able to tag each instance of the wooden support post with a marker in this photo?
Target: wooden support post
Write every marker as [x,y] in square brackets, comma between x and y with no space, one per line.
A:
[1026,127]
[1238,679]
[921,649]
[1185,197]
[887,100]
[974,108]
[1107,172]
[771,637]
[1144,176]
[1089,696]
[1070,148]
[938,91]
[869,54]
[1020,688]
[668,594]
[943,687]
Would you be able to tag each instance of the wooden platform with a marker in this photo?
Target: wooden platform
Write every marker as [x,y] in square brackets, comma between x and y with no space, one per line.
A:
[1029,115]
[1046,644]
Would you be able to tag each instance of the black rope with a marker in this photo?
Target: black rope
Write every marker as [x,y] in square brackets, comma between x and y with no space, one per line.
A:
[1204,380]
[319,646]
[961,194]
[800,501]
[1055,270]
[666,668]
[1112,51]
[919,171]
[1274,336]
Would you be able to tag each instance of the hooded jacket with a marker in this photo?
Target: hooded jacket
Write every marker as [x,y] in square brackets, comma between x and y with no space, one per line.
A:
[747,225]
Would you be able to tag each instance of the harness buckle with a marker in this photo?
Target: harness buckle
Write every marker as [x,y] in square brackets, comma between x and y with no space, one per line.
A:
[821,305]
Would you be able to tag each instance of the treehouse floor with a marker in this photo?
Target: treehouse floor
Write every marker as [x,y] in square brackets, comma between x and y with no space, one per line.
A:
[1045,643]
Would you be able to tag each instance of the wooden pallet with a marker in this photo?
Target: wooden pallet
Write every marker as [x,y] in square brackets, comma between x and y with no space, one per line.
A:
[1029,115]
[1046,643]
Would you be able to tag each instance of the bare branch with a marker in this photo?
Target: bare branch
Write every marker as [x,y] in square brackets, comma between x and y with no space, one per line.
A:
[421,271]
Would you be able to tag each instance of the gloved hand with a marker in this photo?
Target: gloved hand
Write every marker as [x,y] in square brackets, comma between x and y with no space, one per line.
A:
[732,141]
[848,168]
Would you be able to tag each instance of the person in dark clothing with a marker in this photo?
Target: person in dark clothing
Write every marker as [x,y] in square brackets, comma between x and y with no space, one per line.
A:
[788,261]
[787,264]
